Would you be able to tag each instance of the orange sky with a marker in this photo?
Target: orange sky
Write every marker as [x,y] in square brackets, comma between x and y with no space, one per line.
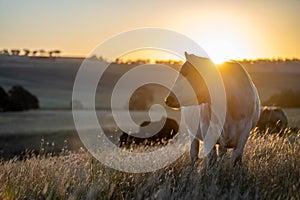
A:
[225,29]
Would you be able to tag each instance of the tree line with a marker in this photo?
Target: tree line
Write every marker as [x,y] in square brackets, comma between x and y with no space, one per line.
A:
[287,98]
[268,60]
[28,52]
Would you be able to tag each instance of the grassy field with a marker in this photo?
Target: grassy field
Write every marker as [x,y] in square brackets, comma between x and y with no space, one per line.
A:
[270,170]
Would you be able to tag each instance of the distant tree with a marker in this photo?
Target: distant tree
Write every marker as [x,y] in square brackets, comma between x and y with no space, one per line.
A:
[26,52]
[286,98]
[100,58]
[34,52]
[15,52]
[50,53]
[3,99]
[93,57]
[5,52]
[117,60]
[42,52]
[21,99]
[56,52]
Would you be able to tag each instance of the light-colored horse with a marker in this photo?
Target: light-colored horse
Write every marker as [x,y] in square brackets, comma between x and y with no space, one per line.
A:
[243,106]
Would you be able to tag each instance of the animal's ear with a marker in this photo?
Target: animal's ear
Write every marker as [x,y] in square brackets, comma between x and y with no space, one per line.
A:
[186,55]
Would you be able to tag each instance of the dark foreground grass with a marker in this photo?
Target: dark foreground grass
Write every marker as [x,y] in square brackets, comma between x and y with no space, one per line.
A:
[270,170]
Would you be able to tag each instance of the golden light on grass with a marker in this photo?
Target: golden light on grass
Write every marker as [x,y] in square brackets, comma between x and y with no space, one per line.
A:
[270,170]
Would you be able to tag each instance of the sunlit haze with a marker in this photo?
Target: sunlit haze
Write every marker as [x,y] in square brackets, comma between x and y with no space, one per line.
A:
[225,29]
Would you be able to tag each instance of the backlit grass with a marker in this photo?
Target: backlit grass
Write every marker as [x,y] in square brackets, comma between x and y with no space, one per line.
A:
[270,170]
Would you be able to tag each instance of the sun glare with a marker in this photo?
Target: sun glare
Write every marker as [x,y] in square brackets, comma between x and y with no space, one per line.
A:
[151,54]
[221,50]
[222,40]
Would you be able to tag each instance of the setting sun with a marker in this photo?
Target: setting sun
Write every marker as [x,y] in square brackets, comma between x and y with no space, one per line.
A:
[221,50]
[223,41]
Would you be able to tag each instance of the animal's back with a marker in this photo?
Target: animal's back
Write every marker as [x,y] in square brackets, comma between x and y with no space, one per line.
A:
[243,104]
[242,97]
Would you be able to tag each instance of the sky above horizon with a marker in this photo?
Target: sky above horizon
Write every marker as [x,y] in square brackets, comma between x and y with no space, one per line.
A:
[225,29]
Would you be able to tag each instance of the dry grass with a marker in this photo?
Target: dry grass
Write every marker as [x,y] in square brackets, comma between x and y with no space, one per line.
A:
[271,170]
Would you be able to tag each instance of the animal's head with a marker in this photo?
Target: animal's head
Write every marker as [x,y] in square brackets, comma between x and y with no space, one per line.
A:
[272,118]
[180,90]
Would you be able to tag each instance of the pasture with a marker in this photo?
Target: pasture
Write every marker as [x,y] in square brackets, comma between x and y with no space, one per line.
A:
[270,170]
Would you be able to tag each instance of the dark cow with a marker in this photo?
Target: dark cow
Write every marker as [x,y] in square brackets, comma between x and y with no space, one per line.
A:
[165,134]
[273,119]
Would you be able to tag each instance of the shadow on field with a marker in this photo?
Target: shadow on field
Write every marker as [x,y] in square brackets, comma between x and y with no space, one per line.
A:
[16,145]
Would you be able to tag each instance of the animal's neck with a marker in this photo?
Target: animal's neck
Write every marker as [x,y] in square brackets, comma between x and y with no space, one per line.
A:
[204,98]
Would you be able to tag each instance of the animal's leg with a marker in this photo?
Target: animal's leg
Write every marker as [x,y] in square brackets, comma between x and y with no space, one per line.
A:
[194,150]
[237,152]
[237,155]
[212,156]
[124,139]
[222,151]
